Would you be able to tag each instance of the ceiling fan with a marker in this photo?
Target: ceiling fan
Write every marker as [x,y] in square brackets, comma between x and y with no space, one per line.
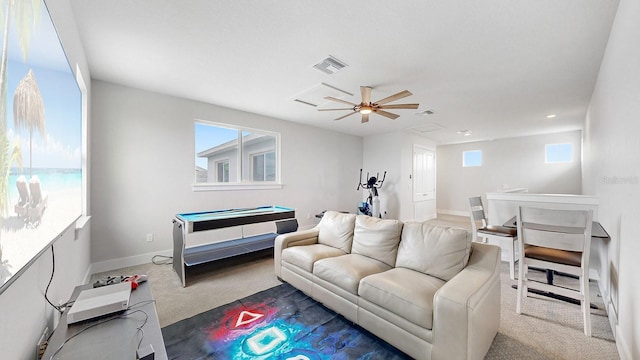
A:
[367,107]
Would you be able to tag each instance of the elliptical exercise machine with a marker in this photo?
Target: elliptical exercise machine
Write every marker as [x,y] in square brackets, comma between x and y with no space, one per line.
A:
[371,207]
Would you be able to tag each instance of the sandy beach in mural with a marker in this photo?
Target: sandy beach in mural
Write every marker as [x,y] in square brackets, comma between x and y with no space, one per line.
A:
[20,240]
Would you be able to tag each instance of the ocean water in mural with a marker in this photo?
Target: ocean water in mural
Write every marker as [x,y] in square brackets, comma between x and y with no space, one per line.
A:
[40,137]
[279,323]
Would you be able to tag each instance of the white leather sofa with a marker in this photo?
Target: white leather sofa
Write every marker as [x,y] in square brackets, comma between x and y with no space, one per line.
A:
[425,289]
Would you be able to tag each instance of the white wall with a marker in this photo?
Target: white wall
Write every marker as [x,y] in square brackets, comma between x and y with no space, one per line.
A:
[381,153]
[23,309]
[611,169]
[393,153]
[513,162]
[143,170]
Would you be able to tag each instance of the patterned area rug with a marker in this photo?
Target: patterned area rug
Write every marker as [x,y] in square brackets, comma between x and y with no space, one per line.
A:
[278,323]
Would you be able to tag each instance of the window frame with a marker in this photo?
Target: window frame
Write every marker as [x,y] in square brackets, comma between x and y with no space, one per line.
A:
[242,183]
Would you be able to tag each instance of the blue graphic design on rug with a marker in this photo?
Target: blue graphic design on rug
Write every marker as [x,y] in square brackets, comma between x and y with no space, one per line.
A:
[278,323]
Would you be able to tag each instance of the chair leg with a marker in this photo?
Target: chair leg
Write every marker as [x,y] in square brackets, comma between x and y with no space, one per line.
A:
[512,259]
[521,277]
[482,239]
[586,303]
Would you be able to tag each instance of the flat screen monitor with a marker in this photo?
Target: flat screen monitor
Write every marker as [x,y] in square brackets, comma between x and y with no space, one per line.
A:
[40,138]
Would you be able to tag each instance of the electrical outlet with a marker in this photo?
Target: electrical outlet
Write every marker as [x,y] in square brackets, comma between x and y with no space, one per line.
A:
[41,346]
[149,237]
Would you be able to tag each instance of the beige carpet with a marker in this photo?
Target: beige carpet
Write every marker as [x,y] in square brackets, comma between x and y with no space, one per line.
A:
[546,329]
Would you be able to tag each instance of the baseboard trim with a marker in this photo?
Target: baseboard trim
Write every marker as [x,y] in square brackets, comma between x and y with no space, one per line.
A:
[608,304]
[623,349]
[120,263]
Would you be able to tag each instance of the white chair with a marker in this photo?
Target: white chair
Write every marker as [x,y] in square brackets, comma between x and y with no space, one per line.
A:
[505,236]
[557,240]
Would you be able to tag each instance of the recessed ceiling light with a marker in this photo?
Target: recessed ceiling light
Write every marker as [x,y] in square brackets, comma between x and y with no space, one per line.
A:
[551,116]
[464,132]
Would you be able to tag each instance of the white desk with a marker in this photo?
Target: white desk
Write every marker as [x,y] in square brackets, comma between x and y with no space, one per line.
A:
[503,206]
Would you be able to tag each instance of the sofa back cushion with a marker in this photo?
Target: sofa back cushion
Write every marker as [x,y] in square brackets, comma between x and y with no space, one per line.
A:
[336,229]
[377,238]
[436,250]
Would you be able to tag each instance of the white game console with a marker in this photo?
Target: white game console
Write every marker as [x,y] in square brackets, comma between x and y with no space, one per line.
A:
[100,301]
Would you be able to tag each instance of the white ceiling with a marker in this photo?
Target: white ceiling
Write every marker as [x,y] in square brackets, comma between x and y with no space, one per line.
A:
[494,67]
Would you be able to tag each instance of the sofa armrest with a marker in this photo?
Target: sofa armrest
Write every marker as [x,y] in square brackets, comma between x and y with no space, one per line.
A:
[467,307]
[297,238]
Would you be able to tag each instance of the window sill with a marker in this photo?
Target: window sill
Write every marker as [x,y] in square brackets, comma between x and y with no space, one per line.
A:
[232,187]
[80,224]
[82,221]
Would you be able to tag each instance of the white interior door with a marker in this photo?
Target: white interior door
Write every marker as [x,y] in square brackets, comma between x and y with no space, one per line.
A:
[424,183]
[424,174]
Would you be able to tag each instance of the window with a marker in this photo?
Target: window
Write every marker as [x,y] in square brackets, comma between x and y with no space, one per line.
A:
[263,166]
[472,158]
[558,153]
[222,171]
[230,156]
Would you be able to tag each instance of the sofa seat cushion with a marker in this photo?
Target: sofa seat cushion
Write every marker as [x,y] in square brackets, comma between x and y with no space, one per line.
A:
[435,250]
[305,256]
[377,238]
[406,293]
[346,271]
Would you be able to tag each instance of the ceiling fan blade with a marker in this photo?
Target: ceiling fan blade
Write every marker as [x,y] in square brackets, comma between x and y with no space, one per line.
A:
[386,114]
[366,94]
[349,114]
[399,106]
[335,109]
[394,97]
[365,118]
[340,100]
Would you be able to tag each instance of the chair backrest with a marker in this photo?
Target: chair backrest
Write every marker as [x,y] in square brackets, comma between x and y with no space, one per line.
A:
[476,211]
[568,230]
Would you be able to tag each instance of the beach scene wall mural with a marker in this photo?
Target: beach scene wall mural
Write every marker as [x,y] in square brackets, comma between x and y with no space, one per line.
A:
[40,136]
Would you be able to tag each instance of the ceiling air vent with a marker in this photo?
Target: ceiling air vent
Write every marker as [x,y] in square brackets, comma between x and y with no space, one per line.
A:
[330,65]
[426,128]
[316,95]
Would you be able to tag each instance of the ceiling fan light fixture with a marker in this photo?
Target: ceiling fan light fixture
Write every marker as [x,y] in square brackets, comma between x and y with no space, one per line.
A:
[380,107]
[365,110]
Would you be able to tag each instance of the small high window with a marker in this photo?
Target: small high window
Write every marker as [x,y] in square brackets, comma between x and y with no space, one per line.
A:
[558,153]
[472,158]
